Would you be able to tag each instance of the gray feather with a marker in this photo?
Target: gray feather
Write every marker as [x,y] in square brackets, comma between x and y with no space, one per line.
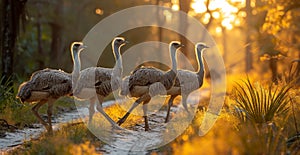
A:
[98,78]
[56,82]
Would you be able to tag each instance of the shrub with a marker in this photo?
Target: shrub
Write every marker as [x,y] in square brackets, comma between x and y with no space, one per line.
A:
[7,97]
[259,104]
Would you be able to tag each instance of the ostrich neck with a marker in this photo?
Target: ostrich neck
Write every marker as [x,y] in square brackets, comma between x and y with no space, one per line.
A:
[200,71]
[76,66]
[173,58]
[118,58]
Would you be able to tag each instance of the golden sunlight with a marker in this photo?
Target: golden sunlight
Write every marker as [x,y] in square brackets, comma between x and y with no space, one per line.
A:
[218,30]
[220,9]
[198,6]
[206,18]
[216,15]
[175,7]
[99,11]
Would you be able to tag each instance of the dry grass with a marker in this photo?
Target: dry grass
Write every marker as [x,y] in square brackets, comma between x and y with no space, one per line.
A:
[230,134]
[70,139]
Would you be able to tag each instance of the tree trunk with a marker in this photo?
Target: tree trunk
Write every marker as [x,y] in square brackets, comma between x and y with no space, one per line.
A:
[224,42]
[160,21]
[297,72]
[273,67]
[184,6]
[11,11]
[248,55]
[298,66]
[39,39]
[56,33]
[8,40]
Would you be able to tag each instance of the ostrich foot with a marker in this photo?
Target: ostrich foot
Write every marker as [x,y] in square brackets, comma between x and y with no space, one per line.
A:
[147,128]
[121,121]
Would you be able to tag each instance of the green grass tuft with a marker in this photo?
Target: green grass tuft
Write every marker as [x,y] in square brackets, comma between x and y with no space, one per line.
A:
[259,104]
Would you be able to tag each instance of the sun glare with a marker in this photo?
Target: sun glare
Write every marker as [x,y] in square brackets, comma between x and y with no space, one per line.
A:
[175,7]
[220,9]
[218,30]
[99,11]
[216,15]
[198,7]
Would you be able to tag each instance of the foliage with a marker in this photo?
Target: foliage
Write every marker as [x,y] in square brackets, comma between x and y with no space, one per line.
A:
[258,104]
[229,135]
[7,97]
[293,75]
[263,138]
[282,14]
[20,114]
[73,138]
[221,139]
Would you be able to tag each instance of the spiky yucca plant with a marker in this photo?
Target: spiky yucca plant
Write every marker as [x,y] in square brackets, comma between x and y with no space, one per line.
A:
[259,104]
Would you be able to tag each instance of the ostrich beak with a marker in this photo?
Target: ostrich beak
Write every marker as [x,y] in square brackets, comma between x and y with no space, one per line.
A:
[206,46]
[82,47]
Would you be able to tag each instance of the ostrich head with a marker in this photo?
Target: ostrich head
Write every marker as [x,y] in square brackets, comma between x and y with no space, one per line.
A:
[77,46]
[119,41]
[24,91]
[201,46]
[176,44]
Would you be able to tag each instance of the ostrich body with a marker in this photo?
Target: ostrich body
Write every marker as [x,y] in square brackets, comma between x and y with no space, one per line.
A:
[145,82]
[47,85]
[99,80]
[185,82]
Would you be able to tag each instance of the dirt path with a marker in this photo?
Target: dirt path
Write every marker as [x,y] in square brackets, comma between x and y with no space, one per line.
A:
[131,140]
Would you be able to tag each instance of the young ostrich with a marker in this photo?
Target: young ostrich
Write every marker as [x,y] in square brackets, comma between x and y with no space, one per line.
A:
[99,80]
[148,81]
[47,85]
[187,81]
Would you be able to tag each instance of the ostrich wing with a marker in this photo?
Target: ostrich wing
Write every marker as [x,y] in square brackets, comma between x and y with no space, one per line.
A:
[47,79]
[187,80]
[92,77]
[144,77]
[107,86]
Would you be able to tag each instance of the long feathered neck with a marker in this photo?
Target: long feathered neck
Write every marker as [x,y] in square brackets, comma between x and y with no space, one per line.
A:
[118,58]
[170,76]
[76,66]
[173,58]
[200,71]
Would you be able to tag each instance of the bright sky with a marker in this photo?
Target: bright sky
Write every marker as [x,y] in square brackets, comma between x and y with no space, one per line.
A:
[221,9]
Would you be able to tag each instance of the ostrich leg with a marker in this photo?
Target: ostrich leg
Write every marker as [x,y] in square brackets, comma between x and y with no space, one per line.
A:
[145,109]
[135,104]
[91,110]
[184,102]
[100,109]
[35,110]
[170,103]
[49,112]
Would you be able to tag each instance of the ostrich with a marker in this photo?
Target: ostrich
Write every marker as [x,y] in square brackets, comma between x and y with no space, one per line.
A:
[48,85]
[145,82]
[185,82]
[99,80]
